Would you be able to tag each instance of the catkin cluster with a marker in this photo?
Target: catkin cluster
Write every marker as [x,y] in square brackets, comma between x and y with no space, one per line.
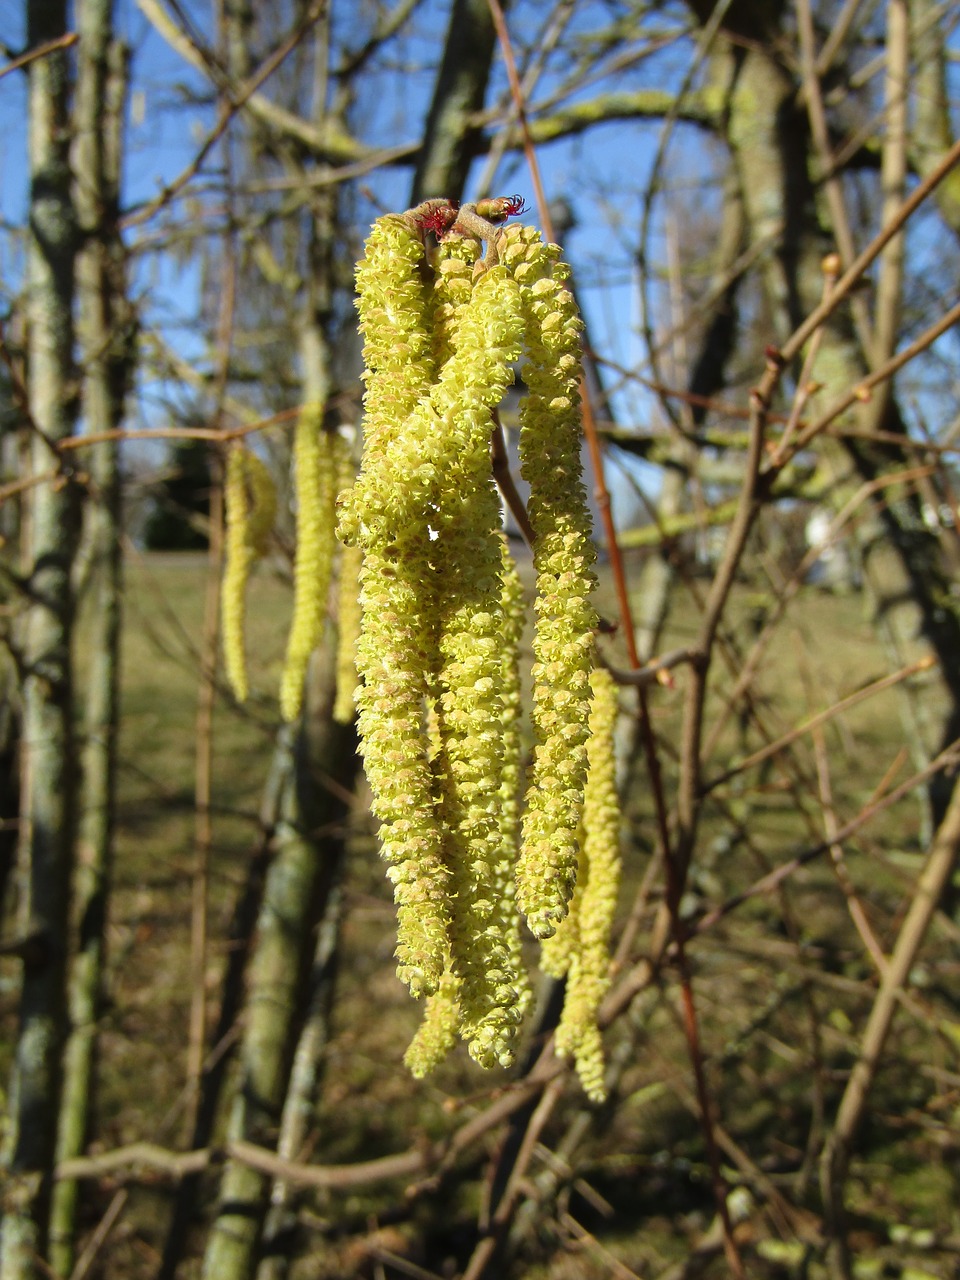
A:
[431,612]
[442,611]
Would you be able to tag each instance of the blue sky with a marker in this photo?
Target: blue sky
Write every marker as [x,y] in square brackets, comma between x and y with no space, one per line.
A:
[165,130]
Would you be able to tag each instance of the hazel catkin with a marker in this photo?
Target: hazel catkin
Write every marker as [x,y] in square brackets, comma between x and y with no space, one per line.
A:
[563,558]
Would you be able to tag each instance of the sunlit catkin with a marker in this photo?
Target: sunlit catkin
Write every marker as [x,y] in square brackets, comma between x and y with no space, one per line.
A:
[563,558]
[439,685]
[588,971]
[506,913]
[251,504]
[315,476]
[437,1033]
[485,341]
[397,653]
[453,264]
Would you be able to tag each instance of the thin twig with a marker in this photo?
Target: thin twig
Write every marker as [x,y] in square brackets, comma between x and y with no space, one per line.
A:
[831,178]
[41,51]
[855,907]
[653,671]
[934,878]
[226,113]
[861,392]
[815,722]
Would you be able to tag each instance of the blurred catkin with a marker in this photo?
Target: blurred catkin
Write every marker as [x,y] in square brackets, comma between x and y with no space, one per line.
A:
[315,472]
[250,499]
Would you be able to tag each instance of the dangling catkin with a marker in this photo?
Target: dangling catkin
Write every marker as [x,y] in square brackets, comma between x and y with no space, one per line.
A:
[397,653]
[315,477]
[588,971]
[563,558]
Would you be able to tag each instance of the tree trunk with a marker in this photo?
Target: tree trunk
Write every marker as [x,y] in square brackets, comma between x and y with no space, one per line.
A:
[305,1080]
[298,885]
[47,800]
[459,94]
[104,333]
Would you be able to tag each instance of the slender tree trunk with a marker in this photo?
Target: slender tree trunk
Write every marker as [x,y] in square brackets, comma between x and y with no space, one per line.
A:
[47,801]
[104,333]
[305,1080]
[298,886]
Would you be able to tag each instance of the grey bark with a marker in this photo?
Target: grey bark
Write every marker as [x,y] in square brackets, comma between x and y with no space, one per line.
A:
[305,1082]
[105,336]
[48,772]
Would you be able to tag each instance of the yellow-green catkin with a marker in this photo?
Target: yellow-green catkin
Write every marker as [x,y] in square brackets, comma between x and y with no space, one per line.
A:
[588,971]
[397,652]
[251,506]
[485,340]
[437,1033]
[453,264]
[485,991]
[396,309]
[315,480]
[563,559]
[507,914]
